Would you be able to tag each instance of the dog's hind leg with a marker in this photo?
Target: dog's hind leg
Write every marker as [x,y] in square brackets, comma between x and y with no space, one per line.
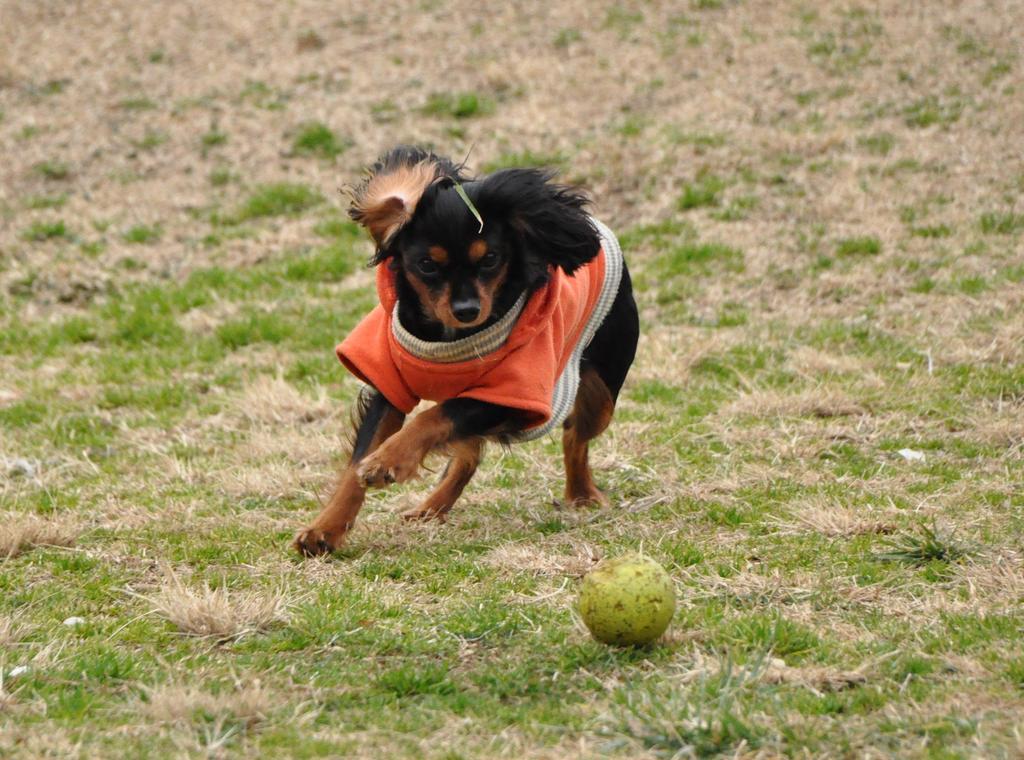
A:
[590,415]
[606,362]
[466,456]
[376,421]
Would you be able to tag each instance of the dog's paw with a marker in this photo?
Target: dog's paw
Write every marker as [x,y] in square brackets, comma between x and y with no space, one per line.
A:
[379,470]
[588,497]
[313,542]
[426,512]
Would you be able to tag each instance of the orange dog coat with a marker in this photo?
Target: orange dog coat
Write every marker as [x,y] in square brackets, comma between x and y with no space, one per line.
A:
[528,360]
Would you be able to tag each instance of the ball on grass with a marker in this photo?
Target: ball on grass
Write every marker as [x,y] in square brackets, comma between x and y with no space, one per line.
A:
[628,600]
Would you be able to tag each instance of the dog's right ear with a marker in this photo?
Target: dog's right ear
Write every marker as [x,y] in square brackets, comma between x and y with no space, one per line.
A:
[550,219]
[387,200]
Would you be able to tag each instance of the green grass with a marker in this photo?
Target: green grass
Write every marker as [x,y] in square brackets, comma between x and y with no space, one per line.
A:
[566,37]
[54,170]
[213,138]
[317,139]
[738,209]
[858,246]
[221,176]
[277,199]
[1001,222]
[928,545]
[705,191]
[705,720]
[931,111]
[142,234]
[693,258]
[880,144]
[699,140]
[932,231]
[40,230]
[461,105]
[137,104]
[47,201]
[151,139]
[623,20]
[849,46]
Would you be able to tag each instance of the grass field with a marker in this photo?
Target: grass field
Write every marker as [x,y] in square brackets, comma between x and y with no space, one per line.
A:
[822,438]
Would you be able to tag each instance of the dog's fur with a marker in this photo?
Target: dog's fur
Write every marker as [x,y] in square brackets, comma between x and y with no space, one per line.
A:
[452,281]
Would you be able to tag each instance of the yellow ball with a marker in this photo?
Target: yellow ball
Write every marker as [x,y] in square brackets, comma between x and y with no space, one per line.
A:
[628,600]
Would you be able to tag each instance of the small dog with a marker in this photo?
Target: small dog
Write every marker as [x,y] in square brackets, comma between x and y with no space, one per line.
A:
[502,301]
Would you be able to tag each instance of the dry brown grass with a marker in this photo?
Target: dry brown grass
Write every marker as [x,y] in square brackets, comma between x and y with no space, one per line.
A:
[670,352]
[838,521]
[999,427]
[10,632]
[764,589]
[774,670]
[815,678]
[529,558]
[7,698]
[272,400]
[248,705]
[814,363]
[218,613]
[20,533]
[998,579]
[271,479]
[819,402]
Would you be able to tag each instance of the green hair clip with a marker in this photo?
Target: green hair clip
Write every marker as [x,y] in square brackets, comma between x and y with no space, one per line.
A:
[469,204]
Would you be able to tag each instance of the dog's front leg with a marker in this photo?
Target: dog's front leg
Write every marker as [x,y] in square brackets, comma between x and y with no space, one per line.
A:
[379,421]
[399,458]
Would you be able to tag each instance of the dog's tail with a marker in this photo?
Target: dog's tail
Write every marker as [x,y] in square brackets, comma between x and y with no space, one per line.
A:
[387,198]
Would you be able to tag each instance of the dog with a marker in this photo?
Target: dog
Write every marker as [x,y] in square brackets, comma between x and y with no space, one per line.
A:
[502,301]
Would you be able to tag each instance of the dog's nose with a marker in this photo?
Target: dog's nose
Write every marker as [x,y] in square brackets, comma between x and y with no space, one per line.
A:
[466,310]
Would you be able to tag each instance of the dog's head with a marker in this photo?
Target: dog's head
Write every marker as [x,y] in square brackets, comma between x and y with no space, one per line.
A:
[462,275]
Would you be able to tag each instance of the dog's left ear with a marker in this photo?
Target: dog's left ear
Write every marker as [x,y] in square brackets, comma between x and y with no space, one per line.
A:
[548,217]
[387,200]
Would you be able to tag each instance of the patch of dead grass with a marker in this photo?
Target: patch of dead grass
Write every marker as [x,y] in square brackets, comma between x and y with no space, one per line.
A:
[668,353]
[528,558]
[1003,427]
[206,320]
[816,402]
[837,521]
[7,698]
[1000,579]
[218,613]
[816,678]
[813,363]
[775,671]
[1002,344]
[273,400]
[749,586]
[247,705]
[269,480]
[21,533]
[10,632]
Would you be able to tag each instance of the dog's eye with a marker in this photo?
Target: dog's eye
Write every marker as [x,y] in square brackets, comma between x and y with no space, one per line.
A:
[427,265]
[489,261]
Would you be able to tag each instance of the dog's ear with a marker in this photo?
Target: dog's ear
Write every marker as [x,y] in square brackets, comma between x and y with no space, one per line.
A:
[387,200]
[548,218]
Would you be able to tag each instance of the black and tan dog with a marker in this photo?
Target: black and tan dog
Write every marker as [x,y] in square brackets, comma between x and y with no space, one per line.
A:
[503,301]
